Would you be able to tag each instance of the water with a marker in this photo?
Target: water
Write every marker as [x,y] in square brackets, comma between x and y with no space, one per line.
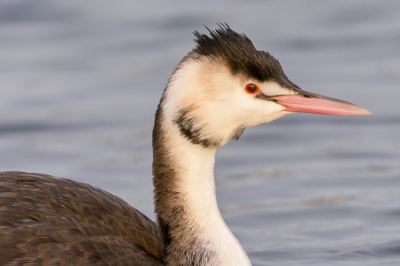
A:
[80,81]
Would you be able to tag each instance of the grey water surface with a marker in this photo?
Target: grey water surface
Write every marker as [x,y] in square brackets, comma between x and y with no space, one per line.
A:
[80,82]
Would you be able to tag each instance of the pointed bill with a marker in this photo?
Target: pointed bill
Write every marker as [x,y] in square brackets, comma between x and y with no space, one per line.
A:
[317,104]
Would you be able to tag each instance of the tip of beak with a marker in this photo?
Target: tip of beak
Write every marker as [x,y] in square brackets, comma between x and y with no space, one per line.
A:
[365,112]
[361,111]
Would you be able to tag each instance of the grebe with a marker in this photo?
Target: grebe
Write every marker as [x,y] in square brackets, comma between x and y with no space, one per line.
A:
[221,87]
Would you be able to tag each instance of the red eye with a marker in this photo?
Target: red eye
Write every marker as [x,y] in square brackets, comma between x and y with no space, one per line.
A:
[251,88]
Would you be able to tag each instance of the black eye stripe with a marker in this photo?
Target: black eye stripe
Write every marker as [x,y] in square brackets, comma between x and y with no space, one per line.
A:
[264,97]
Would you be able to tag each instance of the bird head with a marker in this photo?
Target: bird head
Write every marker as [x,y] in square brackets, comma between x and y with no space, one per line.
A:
[225,85]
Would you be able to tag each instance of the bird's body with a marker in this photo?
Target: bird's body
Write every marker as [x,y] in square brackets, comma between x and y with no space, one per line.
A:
[53,221]
[220,88]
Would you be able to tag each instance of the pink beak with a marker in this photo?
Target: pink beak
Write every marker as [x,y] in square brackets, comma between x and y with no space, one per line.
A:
[317,104]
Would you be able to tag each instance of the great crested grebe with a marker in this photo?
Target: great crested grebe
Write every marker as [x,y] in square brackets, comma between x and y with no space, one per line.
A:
[220,88]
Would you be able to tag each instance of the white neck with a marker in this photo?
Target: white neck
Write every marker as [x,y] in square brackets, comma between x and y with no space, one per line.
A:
[194,166]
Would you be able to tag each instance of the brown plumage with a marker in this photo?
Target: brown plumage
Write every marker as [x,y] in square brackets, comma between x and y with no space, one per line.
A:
[53,221]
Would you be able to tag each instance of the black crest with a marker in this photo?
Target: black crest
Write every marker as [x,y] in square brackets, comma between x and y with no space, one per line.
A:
[240,54]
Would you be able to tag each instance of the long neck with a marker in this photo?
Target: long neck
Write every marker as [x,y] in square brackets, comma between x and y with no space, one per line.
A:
[191,229]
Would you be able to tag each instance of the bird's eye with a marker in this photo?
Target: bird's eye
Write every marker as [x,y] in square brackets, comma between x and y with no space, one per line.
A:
[251,88]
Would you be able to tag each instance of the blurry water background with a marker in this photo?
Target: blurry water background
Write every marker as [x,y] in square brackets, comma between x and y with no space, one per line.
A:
[80,82]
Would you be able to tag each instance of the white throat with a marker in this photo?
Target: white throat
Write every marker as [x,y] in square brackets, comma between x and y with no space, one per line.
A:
[195,181]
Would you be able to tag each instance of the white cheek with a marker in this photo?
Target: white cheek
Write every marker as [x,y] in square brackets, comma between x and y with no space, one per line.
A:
[264,112]
[252,111]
